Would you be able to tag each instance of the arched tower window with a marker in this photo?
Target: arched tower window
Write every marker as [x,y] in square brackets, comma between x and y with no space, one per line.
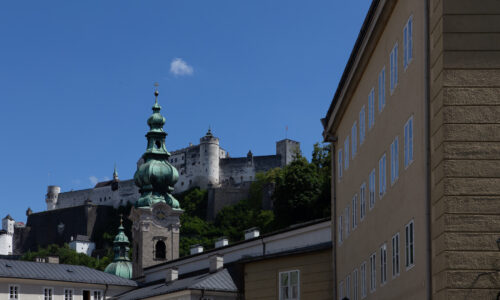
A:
[160,250]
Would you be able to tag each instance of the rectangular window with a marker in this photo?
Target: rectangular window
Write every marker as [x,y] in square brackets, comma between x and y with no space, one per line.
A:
[394,160]
[371,109]
[394,67]
[372,189]
[98,295]
[410,247]
[47,293]
[355,285]
[383,264]
[382,176]
[355,211]
[395,255]
[408,142]
[341,229]
[341,291]
[381,90]
[362,125]
[13,292]
[373,273]
[408,42]
[347,228]
[354,140]
[289,285]
[339,167]
[362,201]
[363,279]
[68,294]
[348,286]
[346,152]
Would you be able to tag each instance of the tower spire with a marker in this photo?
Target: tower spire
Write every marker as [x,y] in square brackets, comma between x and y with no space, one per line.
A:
[121,265]
[156,177]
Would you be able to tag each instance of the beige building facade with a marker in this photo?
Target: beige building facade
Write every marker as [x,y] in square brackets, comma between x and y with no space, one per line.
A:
[301,276]
[415,125]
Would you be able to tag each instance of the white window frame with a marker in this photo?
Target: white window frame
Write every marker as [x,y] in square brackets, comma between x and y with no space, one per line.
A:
[362,125]
[289,285]
[354,139]
[408,142]
[347,212]
[394,160]
[354,211]
[383,264]
[13,291]
[382,176]
[410,245]
[373,272]
[69,294]
[394,67]
[346,152]
[340,160]
[355,287]
[408,42]
[362,269]
[362,201]
[341,229]
[348,286]
[381,90]
[396,261]
[94,295]
[51,293]
[341,290]
[371,189]
[371,109]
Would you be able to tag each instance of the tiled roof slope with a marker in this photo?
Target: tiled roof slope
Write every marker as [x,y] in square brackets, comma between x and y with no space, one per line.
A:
[59,272]
[220,281]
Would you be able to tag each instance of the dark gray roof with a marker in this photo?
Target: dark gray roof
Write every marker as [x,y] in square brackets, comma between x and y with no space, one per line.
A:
[58,272]
[220,281]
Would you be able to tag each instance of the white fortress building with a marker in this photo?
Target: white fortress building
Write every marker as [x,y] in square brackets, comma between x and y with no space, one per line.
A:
[206,165]
[7,236]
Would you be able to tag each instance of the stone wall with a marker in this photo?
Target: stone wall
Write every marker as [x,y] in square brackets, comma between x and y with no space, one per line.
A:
[465,148]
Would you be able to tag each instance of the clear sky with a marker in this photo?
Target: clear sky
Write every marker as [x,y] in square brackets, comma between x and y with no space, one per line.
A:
[76,82]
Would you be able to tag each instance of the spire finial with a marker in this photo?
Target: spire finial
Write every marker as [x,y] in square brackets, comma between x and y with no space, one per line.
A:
[156,92]
[121,220]
[115,173]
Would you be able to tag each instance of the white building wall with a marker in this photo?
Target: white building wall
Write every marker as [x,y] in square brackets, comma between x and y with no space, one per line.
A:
[6,244]
[82,247]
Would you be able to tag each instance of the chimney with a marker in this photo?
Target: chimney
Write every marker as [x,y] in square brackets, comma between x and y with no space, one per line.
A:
[221,242]
[52,259]
[172,275]
[216,263]
[252,233]
[195,249]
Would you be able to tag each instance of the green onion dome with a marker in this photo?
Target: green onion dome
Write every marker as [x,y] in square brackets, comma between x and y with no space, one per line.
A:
[156,177]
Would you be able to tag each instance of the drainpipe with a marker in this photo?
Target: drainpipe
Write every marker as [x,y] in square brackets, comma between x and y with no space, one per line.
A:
[106,291]
[428,203]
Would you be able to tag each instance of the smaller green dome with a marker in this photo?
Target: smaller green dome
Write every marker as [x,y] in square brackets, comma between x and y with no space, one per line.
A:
[120,268]
[121,237]
[121,265]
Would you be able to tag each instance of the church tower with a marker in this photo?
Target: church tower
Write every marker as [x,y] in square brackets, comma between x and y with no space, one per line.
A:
[156,214]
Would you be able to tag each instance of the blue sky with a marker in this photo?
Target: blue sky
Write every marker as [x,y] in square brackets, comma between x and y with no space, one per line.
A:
[76,82]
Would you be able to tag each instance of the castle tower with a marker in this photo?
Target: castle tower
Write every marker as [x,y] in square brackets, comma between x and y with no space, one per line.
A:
[209,157]
[287,149]
[121,265]
[51,197]
[156,215]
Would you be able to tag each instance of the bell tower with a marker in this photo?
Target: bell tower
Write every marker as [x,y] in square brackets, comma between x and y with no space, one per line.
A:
[156,215]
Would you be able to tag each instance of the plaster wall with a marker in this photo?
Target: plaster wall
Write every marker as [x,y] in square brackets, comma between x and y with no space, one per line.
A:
[82,247]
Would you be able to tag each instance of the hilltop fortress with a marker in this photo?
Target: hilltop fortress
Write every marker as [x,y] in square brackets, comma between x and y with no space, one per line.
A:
[206,165]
